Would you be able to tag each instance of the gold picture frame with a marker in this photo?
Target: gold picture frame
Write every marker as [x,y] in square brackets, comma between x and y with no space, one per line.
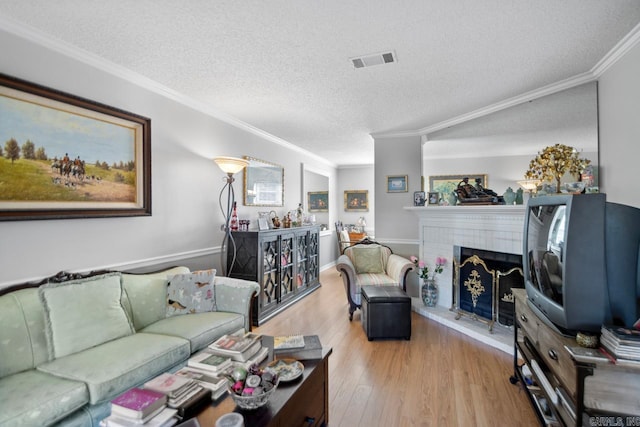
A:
[397,183]
[356,200]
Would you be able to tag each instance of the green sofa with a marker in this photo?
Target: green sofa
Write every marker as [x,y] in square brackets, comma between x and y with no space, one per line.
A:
[68,349]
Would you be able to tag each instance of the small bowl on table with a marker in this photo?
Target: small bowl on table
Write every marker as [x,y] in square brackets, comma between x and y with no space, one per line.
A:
[253,389]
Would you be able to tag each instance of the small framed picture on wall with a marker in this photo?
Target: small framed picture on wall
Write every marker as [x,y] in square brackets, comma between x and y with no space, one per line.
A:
[397,184]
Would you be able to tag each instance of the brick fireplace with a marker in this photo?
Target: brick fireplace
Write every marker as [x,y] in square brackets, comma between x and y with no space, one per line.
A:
[441,229]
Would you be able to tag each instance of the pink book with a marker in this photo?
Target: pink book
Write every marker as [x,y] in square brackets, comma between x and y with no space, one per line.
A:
[138,403]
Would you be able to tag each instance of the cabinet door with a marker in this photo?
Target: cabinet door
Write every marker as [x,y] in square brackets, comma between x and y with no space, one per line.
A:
[313,257]
[268,298]
[286,275]
[307,269]
[301,260]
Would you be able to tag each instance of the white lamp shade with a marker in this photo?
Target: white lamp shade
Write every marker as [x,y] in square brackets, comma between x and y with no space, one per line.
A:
[529,184]
[231,165]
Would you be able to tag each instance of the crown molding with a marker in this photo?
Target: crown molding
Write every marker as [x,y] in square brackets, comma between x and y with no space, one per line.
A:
[38,37]
[617,52]
[356,166]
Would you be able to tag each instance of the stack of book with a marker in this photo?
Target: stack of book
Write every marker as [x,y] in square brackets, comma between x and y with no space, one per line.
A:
[297,347]
[216,382]
[621,343]
[239,347]
[184,394]
[138,407]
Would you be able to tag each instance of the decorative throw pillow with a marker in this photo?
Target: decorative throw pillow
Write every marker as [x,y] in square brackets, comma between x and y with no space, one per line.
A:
[83,313]
[367,259]
[191,293]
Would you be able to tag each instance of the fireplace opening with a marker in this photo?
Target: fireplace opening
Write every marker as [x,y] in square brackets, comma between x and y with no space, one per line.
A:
[482,283]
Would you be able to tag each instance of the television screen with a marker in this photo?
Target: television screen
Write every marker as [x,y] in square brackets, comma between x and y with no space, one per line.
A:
[545,248]
[565,274]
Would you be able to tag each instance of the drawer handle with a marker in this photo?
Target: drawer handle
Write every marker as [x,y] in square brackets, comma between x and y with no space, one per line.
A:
[553,354]
[524,318]
[309,420]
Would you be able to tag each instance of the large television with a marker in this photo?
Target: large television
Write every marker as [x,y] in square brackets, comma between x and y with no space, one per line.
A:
[581,261]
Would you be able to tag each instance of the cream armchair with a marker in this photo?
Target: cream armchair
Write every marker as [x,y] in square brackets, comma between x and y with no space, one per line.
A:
[370,263]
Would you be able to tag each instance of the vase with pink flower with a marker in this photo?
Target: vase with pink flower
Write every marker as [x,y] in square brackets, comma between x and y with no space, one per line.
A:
[429,291]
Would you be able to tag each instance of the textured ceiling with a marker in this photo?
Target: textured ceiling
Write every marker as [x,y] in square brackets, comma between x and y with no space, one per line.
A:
[283,66]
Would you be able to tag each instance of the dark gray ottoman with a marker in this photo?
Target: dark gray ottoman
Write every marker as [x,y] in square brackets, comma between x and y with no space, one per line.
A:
[386,312]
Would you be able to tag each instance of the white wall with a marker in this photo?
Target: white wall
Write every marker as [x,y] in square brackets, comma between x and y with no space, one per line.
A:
[186,218]
[350,178]
[619,101]
[397,156]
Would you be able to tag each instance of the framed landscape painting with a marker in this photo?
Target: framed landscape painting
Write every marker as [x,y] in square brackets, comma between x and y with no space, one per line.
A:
[62,156]
[445,184]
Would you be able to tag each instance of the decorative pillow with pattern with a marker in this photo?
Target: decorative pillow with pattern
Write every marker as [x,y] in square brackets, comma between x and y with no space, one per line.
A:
[191,293]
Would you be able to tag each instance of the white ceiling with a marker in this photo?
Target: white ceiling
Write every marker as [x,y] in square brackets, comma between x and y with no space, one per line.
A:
[283,66]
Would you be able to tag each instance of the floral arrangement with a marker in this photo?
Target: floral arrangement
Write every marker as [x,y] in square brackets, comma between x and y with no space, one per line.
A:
[423,269]
[553,162]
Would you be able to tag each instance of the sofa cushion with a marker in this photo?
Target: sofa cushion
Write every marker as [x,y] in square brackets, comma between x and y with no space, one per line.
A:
[23,344]
[115,366]
[201,329]
[146,295]
[34,398]
[83,313]
[367,259]
[191,293]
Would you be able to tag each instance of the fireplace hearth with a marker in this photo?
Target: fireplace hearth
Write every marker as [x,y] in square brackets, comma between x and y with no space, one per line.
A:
[482,284]
[494,227]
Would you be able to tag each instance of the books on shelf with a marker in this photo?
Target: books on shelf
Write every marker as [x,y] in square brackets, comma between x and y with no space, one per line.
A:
[209,362]
[312,349]
[138,403]
[622,344]
[287,341]
[237,346]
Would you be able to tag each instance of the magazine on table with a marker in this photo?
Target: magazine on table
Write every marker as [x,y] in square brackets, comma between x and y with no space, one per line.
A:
[240,348]
[208,361]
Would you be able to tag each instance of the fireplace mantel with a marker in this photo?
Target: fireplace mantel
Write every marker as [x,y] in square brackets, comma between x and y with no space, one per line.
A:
[492,227]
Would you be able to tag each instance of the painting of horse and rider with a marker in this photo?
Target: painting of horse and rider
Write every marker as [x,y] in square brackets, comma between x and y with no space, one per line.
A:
[64,156]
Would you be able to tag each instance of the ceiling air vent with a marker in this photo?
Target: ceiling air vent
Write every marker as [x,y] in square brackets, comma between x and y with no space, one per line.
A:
[374,59]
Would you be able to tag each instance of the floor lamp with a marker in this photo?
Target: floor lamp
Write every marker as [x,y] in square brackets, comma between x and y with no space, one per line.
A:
[230,166]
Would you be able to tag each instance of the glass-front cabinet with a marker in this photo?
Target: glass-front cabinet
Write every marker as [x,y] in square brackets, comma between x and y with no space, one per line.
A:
[285,262]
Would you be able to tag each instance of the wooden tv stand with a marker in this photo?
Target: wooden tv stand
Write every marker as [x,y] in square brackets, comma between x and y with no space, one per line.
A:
[578,391]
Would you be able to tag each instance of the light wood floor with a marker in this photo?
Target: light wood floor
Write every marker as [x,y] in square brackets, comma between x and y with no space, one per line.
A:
[438,378]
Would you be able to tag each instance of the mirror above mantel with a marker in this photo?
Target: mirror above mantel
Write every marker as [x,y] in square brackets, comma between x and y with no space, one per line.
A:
[502,143]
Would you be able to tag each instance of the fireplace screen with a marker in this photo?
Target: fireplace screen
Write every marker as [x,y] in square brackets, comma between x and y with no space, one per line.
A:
[483,281]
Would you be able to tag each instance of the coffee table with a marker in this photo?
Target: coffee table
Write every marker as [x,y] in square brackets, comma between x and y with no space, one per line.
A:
[304,401]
